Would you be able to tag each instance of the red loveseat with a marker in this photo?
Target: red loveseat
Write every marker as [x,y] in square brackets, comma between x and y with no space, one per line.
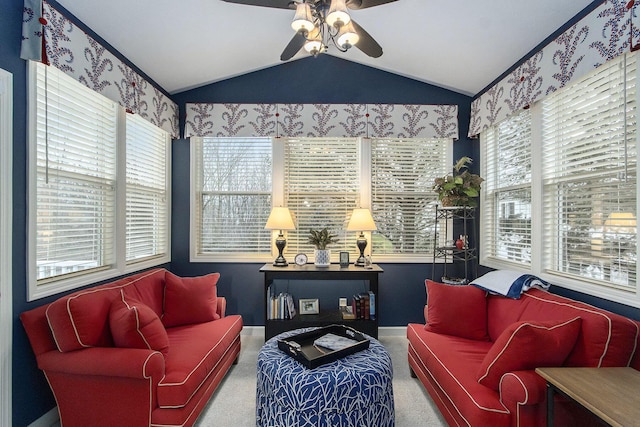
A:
[476,354]
[145,350]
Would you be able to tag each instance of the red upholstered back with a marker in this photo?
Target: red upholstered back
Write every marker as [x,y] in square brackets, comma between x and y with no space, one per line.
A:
[81,319]
[606,339]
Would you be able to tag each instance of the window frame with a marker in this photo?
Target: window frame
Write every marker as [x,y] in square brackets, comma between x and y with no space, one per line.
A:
[278,197]
[539,233]
[39,289]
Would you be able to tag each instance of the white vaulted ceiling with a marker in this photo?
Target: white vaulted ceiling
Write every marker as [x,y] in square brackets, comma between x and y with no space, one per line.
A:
[460,45]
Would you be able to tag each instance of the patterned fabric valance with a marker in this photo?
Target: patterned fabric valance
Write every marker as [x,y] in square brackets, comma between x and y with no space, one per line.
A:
[597,38]
[71,50]
[322,120]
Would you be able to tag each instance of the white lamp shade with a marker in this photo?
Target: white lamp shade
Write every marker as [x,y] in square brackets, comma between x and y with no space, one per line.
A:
[314,45]
[302,21]
[361,220]
[280,219]
[338,15]
[347,37]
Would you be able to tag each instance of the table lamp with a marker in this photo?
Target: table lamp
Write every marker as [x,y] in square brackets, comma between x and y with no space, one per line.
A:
[361,220]
[280,219]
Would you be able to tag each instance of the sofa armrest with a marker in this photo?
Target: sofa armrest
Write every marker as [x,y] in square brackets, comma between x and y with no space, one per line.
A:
[222,306]
[106,361]
[524,391]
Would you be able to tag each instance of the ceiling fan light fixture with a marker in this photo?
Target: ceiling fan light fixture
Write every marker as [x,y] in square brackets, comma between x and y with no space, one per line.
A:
[337,16]
[314,44]
[347,37]
[303,20]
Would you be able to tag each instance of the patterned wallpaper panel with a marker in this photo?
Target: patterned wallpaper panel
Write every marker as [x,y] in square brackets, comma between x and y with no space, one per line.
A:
[597,38]
[322,120]
[71,50]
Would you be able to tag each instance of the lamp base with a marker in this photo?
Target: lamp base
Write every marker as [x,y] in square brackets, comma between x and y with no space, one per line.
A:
[361,243]
[280,244]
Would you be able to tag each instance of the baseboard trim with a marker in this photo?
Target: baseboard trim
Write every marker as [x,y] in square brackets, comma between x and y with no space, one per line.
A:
[48,419]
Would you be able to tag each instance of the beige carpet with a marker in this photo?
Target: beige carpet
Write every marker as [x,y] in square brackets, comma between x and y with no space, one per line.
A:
[233,404]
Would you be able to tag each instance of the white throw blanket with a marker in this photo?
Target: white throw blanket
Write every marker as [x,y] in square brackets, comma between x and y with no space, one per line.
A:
[509,283]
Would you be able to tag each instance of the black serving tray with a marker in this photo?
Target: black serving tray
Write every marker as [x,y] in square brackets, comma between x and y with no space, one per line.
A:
[301,347]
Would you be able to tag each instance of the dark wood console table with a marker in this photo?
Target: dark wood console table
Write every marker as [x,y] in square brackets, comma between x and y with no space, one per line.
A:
[311,272]
[611,394]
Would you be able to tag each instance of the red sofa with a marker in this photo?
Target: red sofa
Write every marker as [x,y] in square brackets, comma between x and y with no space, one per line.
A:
[145,350]
[477,353]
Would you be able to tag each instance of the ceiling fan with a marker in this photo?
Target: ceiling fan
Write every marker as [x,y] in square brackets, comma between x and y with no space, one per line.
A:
[320,22]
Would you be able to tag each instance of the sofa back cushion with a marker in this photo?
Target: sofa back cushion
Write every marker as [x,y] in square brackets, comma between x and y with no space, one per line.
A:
[605,339]
[458,310]
[189,300]
[81,319]
[135,325]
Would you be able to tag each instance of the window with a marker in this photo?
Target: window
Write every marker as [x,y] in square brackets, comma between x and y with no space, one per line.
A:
[506,213]
[589,176]
[580,206]
[321,181]
[321,189]
[147,190]
[404,204]
[79,230]
[231,181]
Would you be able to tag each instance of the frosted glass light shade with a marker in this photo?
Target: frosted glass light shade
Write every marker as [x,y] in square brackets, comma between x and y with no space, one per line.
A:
[338,15]
[280,219]
[347,37]
[361,220]
[302,21]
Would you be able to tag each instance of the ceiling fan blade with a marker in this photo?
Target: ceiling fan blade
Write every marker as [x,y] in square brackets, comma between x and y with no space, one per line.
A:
[278,4]
[296,43]
[366,43]
[363,4]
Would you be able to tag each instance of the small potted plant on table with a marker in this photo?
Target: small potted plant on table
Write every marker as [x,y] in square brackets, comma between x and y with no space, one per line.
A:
[321,239]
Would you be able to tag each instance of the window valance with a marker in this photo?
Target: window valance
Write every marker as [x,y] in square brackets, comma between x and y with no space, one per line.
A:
[70,49]
[322,120]
[597,38]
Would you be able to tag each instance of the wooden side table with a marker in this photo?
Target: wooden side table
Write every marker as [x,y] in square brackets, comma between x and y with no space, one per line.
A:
[611,394]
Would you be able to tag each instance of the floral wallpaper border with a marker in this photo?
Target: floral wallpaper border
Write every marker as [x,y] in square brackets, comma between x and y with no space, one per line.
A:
[597,38]
[322,120]
[79,55]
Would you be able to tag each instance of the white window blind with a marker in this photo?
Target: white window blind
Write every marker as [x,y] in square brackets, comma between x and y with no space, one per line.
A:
[76,176]
[403,202]
[147,190]
[506,213]
[321,182]
[233,195]
[589,171]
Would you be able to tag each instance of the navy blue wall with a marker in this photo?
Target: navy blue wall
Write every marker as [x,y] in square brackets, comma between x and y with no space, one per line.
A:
[325,79]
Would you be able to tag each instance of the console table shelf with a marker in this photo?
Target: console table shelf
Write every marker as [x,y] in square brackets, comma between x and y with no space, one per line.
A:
[325,317]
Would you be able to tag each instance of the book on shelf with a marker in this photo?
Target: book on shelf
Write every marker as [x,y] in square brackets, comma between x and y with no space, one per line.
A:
[280,307]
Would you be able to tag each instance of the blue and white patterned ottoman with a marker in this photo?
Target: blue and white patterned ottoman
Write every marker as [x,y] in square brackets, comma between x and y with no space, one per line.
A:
[354,391]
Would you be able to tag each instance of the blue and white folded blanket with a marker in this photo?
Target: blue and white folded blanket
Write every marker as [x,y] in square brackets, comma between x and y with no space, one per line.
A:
[509,283]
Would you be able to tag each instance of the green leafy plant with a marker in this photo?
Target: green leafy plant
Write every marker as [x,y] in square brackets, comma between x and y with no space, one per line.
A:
[320,239]
[460,188]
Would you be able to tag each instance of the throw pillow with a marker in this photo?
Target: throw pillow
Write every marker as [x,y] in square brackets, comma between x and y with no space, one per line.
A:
[135,325]
[190,300]
[459,310]
[528,345]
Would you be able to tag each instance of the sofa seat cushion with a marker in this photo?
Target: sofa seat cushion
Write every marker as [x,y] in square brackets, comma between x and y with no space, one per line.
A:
[192,358]
[453,363]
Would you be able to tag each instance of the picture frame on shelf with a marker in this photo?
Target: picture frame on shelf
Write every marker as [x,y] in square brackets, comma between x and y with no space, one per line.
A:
[308,306]
[344,259]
